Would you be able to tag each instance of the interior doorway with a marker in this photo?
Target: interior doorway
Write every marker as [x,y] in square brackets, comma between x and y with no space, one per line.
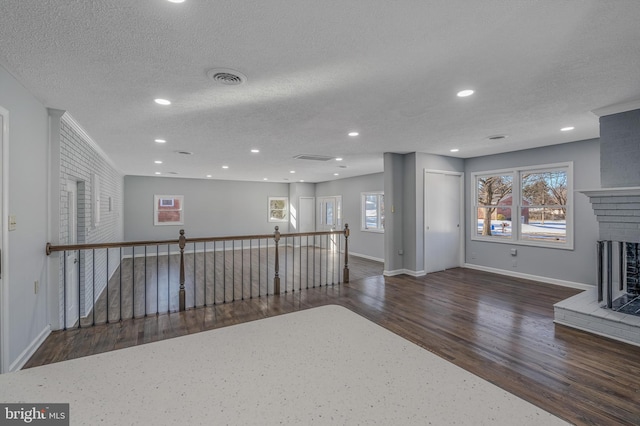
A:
[71,259]
[330,215]
[307,214]
[4,211]
[443,216]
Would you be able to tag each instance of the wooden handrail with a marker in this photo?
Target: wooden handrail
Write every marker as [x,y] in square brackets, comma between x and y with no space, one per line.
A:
[182,242]
[50,248]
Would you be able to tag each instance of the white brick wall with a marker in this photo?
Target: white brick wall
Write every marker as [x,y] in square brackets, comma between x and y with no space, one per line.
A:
[79,160]
[618,214]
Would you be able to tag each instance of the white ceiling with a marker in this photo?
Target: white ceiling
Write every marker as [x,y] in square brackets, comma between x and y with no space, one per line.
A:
[317,70]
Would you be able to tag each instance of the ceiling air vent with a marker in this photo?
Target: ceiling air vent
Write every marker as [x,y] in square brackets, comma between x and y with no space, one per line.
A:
[313,157]
[226,76]
[496,137]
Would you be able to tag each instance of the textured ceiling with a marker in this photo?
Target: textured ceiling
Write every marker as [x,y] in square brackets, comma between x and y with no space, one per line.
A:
[317,70]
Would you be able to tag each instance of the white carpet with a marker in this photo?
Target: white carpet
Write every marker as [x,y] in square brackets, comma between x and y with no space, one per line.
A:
[326,365]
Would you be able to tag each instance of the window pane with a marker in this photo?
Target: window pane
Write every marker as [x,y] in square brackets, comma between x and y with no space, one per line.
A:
[494,190]
[278,214]
[278,204]
[329,213]
[544,224]
[547,188]
[494,221]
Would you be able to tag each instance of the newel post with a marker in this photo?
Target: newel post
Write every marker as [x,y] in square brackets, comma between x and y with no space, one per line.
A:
[345,272]
[276,278]
[182,295]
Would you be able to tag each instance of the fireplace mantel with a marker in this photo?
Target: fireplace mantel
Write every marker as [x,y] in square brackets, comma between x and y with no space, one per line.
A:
[618,212]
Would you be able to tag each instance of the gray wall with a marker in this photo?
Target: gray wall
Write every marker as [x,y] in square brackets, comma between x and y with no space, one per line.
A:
[577,265]
[211,207]
[620,149]
[297,190]
[370,244]
[404,189]
[28,188]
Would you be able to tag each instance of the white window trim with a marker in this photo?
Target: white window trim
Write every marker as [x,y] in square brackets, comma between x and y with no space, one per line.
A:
[286,210]
[515,238]
[363,227]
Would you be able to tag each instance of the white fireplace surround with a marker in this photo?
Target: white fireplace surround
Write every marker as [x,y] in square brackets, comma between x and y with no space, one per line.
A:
[618,212]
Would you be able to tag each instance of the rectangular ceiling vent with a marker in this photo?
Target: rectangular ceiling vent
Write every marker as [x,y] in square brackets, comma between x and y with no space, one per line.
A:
[313,157]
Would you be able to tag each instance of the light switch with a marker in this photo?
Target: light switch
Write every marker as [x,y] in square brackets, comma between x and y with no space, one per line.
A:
[12,223]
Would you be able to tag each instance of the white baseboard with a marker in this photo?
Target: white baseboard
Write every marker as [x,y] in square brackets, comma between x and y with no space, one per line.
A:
[30,350]
[404,271]
[547,280]
[364,256]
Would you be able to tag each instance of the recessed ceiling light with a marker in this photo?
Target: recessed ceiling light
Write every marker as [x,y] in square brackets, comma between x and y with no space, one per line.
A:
[162,101]
[158,173]
[265,178]
[454,150]
[225,167]
[353,134]
[255,151]
[336,174]
[292,171]
[160,141]
[339,159]
[175,1]
[301,180]
[465,93]
[208,175]
[567,129]
[158,162]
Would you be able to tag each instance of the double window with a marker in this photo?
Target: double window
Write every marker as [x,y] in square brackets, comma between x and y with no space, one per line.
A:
[372,211]
[528,205]
[278,209]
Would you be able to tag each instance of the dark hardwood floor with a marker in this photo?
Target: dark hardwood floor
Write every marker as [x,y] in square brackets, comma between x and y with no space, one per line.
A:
[499,328]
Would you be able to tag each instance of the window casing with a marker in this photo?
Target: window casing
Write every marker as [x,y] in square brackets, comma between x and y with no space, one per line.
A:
[372,216]
[524,205]
[278,209]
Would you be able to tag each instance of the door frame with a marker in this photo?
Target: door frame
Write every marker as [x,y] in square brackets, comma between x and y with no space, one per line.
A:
[4,242]
[461,237]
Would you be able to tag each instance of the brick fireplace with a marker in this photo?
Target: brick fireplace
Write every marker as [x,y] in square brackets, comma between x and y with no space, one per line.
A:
[613,308]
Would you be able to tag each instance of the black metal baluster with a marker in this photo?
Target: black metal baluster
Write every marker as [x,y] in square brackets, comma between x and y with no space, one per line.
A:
[133,282]
[214,273]
[307,268]
[204,255]
[157,280]
[242,267]
[107,300]
[79,313]
[144,282]
[250,269]
[286,268]
[313,264]
[168,278]
[224,272]
[267,268]
[64,291]
[120,286]
[259,267]
[93,287]
[194,275]
[233,270]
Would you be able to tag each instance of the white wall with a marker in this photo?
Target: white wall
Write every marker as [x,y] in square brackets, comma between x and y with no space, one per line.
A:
[573,266]
[28,186]
[370,244]
[212,208]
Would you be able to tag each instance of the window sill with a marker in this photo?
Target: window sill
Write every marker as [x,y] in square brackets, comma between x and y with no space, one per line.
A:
[375,231]
[566,246]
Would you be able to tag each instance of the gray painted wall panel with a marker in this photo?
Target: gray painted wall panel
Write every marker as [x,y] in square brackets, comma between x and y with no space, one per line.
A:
[361,242]
[578,265]
[28,180]
[620,149]
[211,207]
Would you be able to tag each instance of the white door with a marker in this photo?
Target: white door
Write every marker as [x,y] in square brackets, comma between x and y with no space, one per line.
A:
[442,219]
[4,314]
[330,212]
[306,214]
[71,258]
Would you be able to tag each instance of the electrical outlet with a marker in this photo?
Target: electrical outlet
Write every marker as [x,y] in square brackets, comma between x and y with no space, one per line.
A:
[400,252]
[12,223]
[36,287]
[515,264]
[473,255]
